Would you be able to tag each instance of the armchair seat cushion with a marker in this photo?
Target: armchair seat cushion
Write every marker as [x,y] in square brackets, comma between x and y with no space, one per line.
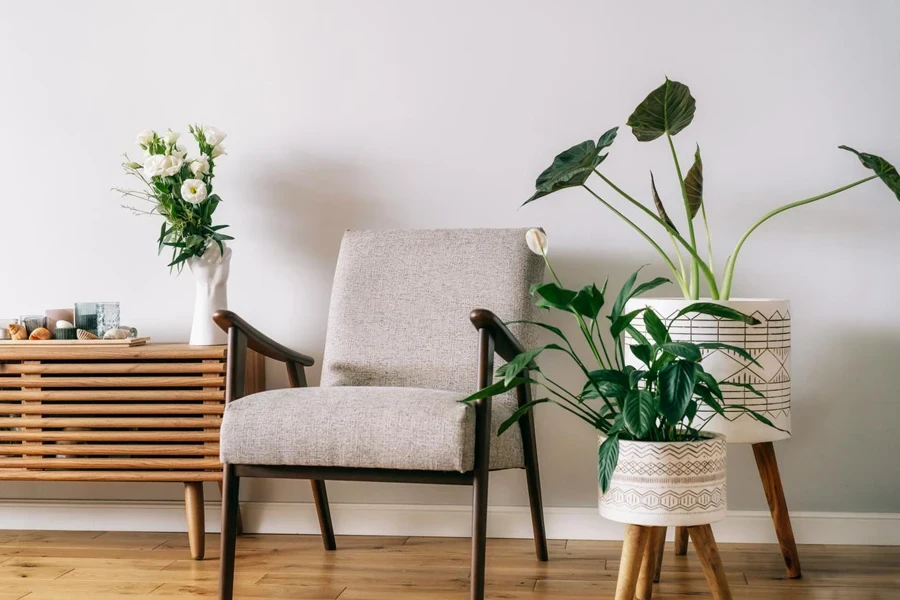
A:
[364,427]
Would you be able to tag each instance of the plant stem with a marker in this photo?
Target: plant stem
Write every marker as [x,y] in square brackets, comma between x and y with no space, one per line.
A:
[729,264]
[695,267]
[709,253]
[680,260]
[643,234]
[707,272]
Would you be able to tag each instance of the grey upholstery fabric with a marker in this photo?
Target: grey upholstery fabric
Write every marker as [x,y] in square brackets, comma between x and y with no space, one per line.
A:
[368,427]
[399,318]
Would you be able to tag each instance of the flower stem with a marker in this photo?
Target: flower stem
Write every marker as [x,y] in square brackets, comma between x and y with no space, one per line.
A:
[729,264]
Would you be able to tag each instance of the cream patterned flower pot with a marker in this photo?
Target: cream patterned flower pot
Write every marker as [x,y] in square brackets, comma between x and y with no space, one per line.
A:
[769,343]
[671,484]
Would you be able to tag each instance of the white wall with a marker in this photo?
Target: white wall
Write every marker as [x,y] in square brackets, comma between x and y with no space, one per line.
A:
[425,114]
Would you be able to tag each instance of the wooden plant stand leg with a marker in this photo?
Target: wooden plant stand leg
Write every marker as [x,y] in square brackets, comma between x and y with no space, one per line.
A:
[636,538]
[681,541]
[193,505]
[771,480]
[647,576]
[708,553]
[240,520]
[660,551]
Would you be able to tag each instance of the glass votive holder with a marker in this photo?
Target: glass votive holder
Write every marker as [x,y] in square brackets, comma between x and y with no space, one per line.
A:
[32,322]
[65,333]
[4,332]
[86,316]
[107,317]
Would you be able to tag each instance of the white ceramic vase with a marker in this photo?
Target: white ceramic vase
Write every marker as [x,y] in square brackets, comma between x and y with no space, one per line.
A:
[671,484]
[769,343]
[211,277]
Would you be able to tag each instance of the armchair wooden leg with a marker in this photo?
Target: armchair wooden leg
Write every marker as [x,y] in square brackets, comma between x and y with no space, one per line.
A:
[479,533]
[196,525]
[230,484]
[533,476]
[681,541]
[644,590]
[771,480]
[708,553]
[240,519]
[633,547]
[321,498]
[660,550]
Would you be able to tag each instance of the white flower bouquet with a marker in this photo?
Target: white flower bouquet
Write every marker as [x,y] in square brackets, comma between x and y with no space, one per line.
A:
[179,189]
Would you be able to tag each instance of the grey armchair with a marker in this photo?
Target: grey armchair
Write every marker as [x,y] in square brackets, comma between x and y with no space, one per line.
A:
[399,356]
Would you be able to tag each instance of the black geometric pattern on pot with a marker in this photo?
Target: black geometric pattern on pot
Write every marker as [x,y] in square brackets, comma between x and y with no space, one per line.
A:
[700,467]
[703,499]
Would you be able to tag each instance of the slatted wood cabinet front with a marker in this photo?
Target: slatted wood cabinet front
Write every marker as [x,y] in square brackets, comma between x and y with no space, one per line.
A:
[98,413]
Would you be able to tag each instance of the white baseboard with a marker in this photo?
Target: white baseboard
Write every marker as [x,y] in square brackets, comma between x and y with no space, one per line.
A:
[428,520]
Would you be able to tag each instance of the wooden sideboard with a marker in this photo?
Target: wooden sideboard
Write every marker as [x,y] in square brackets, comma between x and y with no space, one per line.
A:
[105,413]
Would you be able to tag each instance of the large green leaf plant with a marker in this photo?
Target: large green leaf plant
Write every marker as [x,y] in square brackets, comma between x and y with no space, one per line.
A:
[657,401]
[665,112]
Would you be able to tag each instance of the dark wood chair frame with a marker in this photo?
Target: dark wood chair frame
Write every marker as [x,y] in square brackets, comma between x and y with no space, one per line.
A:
[493,337]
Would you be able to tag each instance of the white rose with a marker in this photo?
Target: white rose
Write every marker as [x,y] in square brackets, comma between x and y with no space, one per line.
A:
[172,165]
[154,165]
[145,137]
[537,241]
[171,137]
[193,191]
[213,136]
[218,151]
[200,166]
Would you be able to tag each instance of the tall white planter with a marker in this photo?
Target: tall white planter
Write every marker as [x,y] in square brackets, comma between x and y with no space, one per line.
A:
[671,484]
[769,343]
[211,294]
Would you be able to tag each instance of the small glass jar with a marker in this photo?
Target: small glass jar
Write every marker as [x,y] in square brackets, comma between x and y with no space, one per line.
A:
[107,317]
[86,316]
[32,322]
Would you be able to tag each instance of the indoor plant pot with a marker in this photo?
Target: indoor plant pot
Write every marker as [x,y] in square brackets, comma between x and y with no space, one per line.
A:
[668,484]
[769,343]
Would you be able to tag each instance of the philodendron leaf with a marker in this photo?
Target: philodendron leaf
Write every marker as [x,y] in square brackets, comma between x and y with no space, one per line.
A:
[685,350]
[572,167]
[676,387]
[668,109]
[885,170]
[550,295]
[717,310]
[520,412]
[659,205]
[588,301]
[693,185]
[639,412]
[607,459]
[655,327]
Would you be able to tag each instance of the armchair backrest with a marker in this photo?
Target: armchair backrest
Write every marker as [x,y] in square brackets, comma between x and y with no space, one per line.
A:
[401,301]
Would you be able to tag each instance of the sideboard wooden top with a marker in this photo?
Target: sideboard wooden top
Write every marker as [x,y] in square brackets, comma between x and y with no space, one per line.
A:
[40,351]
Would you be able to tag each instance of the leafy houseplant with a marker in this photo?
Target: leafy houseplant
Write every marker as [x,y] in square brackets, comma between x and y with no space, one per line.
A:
[180,189]
[656,402]
[666,111]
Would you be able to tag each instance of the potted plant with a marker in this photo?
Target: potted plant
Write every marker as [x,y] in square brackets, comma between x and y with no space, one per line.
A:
[664,113]
[180,189]
[657,466]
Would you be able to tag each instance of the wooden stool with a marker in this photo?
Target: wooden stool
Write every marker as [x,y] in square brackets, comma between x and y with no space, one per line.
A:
[767,465]
[642,551]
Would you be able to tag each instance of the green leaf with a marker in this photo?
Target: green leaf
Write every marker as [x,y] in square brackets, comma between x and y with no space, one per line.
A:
[639,414]
[705,395]
[660,209]
[717,310]
[709,381]
[624,321]
[693,184]
[588,301]
[736,349]
[642,353]
[512,369]
[676,387]
[746,386]
[655,327]
[622,298]
[667,109]
[885,170]
[496,388]
[647,286]
[607,459]
[520,412]
[762,419]
[637,336]
[684,350]
[550,295]
[635,376]
[572,167]
[691,411]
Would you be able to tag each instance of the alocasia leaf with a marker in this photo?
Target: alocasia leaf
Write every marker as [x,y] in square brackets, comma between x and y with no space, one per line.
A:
[693,185]
[668,109]
[660,209]
[885,170]
[572,167]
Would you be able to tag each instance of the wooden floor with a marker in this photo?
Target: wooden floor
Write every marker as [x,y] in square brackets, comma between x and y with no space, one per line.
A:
[103,566]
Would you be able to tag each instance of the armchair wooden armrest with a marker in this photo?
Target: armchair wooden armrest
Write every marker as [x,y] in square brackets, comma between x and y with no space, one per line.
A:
[259,342]
[505,343]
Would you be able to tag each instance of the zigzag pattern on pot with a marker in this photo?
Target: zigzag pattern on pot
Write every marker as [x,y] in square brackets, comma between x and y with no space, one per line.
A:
[670,470]
[704,499]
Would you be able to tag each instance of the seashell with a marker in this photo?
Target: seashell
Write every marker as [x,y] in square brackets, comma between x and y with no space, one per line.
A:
[41,333]
[64,325]
[115,334]
[85,335]
[17,332]
[132,331]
